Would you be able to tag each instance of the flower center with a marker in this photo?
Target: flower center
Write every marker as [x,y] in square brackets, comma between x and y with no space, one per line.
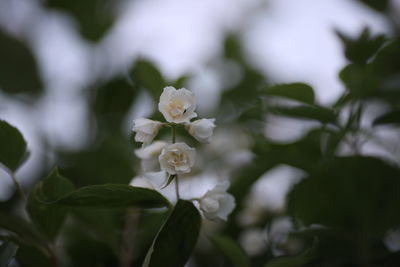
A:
[177,159]
[177,109]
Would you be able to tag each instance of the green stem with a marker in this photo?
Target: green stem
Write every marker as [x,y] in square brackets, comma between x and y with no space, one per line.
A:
[19,187]
[173,134]
[177,177]
[16,183]
[177,187]
[126,255]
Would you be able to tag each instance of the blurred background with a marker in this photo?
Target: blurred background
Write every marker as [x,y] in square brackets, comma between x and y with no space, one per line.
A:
[74,74]
[56,55]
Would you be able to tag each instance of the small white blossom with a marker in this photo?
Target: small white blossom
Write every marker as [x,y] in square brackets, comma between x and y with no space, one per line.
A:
[202,129]
[177,106]
[217,203]
[177,158]
[253,241]
[145,130]
[149,156]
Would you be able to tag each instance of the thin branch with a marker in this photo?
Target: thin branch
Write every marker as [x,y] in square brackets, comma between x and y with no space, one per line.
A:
[128,238]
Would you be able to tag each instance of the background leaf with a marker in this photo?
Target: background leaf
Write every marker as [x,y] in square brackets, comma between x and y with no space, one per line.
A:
[145,75]
[302,259]
[296,91]
[392,117]
[310,112]
[49,218]
[95,17]
[176,240]
[18,69]
[25,232]
[349,193]
[231,250]
[361,49]
[13,150]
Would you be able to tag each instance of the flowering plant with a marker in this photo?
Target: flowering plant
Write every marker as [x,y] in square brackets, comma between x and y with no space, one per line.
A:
[178,108]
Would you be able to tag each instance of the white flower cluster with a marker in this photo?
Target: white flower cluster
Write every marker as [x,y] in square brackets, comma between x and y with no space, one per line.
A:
[178,108]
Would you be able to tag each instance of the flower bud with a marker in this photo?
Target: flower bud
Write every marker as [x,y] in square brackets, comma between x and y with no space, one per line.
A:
[202,129]
[217,204]
[145,130]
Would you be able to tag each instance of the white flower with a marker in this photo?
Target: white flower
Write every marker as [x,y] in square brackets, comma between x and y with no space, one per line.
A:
[217,203]
[145,130]
[202,129]
[149,156]
[177,105]
[253,241]
[177,158]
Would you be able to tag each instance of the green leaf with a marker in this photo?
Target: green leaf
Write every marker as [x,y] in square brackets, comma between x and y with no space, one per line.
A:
[112,195]
[350,193]
[381,5]
[7,253]
[25,232]
[170,179]
[392,117]
[300,260]
[95,17]
[144,74]
[362,48]
[177,238]
[296,91]
[49,218]
[309,112]
[112,102]
[29,256]
[13,149]
[360,79]
[18,68]
[231,250]
[107,161]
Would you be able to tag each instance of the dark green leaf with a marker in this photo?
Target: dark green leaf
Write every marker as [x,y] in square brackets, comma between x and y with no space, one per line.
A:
[231,250]
[303,259]
[112,101]
[113,195]
[310,112]
[381,5]
[360,80]
[12,146]
[177,238]
[7,253]
[145,75]
[18,68]
[296,91]
[361,49]
[351,193]
[170,179]
[386,63]
[392,117]
[95,17]
[107,161]
[104,224]
[49,218]
[24,231]
[29,256]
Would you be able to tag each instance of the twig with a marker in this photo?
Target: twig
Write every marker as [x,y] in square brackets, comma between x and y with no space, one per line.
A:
[128,238]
